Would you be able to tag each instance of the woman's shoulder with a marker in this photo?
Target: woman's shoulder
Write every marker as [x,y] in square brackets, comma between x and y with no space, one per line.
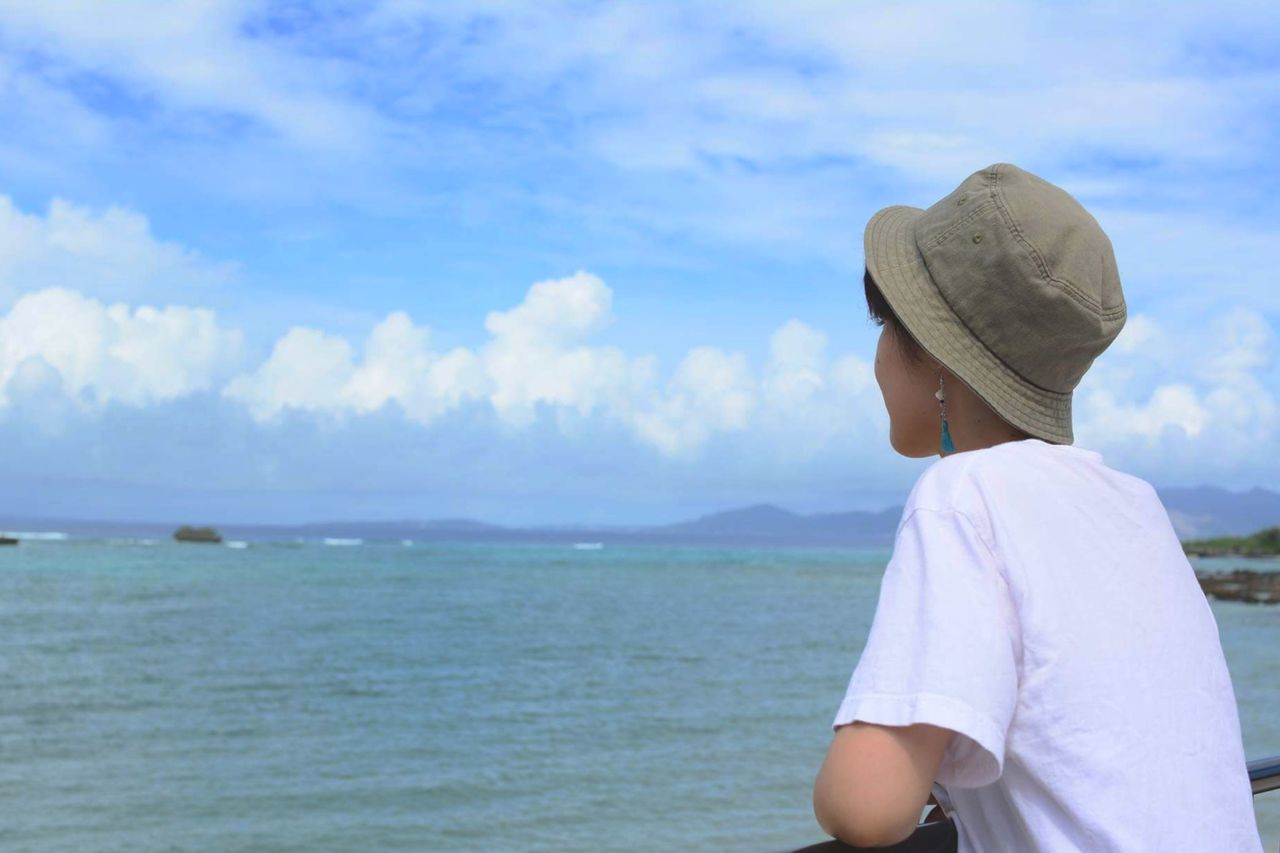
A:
[1016,480]
[948,483]
[965,482]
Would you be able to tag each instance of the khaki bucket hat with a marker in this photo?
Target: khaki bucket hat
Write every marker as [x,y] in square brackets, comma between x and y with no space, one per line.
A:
[1009,283]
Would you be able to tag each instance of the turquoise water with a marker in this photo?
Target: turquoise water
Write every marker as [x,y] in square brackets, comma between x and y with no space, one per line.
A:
[452,697]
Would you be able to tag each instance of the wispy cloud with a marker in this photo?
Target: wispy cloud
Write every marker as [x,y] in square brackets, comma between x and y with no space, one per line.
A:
[912,94]
[217,57]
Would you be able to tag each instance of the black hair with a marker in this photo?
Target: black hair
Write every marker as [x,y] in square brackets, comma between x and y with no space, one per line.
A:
[880,313]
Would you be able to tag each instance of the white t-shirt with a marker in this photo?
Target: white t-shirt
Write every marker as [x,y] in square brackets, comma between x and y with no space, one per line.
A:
[1039,604]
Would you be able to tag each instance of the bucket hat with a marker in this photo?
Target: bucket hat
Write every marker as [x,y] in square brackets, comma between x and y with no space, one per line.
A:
[1009,283]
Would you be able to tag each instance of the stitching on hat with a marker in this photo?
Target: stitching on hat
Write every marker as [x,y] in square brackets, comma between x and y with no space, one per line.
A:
[1028,414]
[1007,215]
[951,309]
[1064,285]
[964,220]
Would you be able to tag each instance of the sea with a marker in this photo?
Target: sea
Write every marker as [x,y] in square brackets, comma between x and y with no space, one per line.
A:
[401,695]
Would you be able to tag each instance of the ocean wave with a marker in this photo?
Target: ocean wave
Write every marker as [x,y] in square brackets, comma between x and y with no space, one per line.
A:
[36,535]
[335,540]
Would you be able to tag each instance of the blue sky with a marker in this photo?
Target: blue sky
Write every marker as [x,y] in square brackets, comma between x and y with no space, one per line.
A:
[575,262]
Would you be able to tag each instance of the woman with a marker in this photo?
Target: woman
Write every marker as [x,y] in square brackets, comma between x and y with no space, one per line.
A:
[1042,664]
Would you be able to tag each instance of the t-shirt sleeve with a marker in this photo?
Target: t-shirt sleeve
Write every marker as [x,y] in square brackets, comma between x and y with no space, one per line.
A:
[942,646]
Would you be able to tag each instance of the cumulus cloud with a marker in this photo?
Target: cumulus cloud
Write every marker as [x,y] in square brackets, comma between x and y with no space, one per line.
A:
[800,402]
[541,360]
[314,371]
[307,370]
[542,396]
[533,356]
[710,391]
[111,254]
[537,353]
[797,365]
[1243,342]
[103,353]
[1195,389]
[1168,406]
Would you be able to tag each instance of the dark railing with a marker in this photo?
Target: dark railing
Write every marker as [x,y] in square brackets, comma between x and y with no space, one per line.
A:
[1264,774]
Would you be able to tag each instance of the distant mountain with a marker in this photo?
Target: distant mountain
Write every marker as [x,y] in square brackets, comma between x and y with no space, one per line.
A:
[762,524]
[1196,513]
[760,518]
[767,521]
[1205,511]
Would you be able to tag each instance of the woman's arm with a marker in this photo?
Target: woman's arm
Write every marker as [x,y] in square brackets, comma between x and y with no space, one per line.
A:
[867,792]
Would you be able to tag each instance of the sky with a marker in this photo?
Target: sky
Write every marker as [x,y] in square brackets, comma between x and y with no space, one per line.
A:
[574,262]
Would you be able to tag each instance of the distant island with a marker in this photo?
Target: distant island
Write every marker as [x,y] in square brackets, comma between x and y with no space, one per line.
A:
[1263,543]
[1196,513]
[186,533]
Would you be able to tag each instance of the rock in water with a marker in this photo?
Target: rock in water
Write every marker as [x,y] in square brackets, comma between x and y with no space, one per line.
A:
[186,533]
[1242,585]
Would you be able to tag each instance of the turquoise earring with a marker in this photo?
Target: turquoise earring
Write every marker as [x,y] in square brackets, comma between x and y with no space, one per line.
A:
[947,445]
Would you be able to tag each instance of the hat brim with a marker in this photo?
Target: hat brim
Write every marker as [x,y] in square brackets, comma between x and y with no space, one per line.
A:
[897,266]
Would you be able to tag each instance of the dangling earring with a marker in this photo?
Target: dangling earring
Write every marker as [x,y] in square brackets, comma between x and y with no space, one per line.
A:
[947,445]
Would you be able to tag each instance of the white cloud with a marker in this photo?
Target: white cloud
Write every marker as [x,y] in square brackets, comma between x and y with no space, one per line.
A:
[852,376]
[111,254]
[105,353]
[710,391]
[540,359]
[307,369]
[540,393]
[537,355]
[1139,333]
[310,370]
[196,56]
[398,365]
[797,365]
[1168,406]
[555,311]
[1242,342]
[910,86]
[1209,381]
[778,147]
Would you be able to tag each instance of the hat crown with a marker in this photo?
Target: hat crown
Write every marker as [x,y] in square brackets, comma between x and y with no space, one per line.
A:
[1027,270]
